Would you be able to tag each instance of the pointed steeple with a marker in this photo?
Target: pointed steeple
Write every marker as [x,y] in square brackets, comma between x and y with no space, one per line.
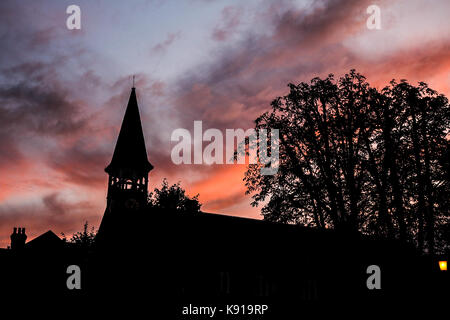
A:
[128,174]
[130,154]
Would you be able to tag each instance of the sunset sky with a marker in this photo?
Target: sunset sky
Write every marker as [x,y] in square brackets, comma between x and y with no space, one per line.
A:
[63,92]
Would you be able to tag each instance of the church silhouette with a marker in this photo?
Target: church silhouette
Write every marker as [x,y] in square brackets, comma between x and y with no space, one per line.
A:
[208,258]
[128,174]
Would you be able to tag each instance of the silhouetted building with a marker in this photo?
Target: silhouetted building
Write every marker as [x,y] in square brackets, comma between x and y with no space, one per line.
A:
[128,171]
[46,241]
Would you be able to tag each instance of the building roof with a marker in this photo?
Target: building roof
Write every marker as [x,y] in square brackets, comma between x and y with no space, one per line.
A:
[130,153]
[45,241]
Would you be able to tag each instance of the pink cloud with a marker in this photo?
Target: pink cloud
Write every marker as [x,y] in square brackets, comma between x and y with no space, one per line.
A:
[230,20]
[164,45]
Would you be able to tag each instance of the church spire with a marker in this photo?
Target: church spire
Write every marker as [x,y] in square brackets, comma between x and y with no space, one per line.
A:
[128,173]
[130,153]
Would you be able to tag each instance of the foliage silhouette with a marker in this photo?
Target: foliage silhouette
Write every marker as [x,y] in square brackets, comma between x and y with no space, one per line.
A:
[83,239]
[173,198]
[356,158]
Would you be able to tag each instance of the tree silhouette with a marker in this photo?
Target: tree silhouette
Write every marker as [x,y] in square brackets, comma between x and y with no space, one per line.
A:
[356,158]
[83,239]
[173,198]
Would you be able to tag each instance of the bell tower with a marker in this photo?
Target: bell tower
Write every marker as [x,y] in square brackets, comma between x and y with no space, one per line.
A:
[128,171]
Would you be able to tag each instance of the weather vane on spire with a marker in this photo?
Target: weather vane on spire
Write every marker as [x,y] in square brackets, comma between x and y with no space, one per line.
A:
[133,81]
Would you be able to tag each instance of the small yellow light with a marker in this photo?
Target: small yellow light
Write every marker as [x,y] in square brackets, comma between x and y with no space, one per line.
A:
[443,265]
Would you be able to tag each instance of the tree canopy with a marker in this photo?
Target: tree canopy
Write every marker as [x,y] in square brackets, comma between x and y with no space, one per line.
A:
[357,158]
[83,239]
[173,198]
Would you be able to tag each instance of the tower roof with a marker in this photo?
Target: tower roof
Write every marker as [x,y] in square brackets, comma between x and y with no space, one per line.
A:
[130,154]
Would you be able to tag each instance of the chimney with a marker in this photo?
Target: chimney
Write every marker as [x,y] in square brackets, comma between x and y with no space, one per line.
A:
[18,238]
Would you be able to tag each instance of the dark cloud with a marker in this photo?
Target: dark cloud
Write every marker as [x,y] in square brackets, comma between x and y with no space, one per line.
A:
[301,44]
[54,205]
[82,166]
[40,109]
[36,112]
